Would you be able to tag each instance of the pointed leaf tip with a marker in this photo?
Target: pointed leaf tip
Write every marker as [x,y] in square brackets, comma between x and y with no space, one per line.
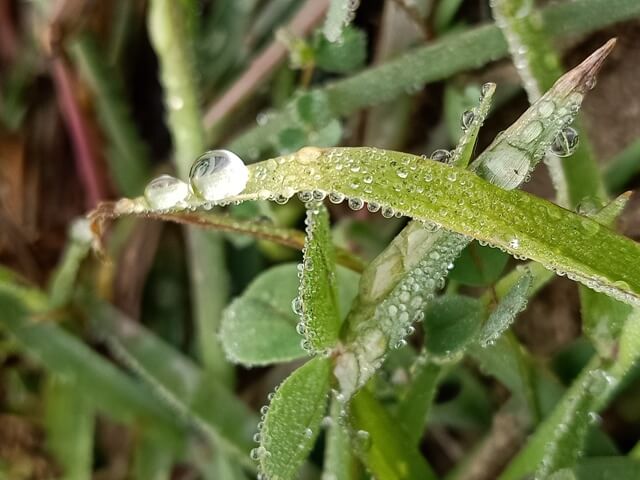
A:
[582,77]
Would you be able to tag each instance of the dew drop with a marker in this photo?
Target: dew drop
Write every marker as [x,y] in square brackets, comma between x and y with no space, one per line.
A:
[165,192]
[565,142]
[546,108]
[441,155]
[531,131]
[356,203]
[335,197]
[218,174]
[467,119]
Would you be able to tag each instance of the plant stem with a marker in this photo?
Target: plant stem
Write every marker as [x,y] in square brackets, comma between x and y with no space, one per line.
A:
[168,27]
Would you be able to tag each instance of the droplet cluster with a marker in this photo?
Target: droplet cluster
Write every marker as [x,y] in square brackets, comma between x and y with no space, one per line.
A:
[214,176]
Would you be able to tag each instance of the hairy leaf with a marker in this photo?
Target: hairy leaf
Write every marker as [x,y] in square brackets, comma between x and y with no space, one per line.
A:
[317,301]
[259,327]
[292,421]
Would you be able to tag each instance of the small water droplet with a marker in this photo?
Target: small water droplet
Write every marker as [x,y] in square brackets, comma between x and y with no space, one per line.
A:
[565,142]
[486,87]
[165,192]
[218,174]
[356,203]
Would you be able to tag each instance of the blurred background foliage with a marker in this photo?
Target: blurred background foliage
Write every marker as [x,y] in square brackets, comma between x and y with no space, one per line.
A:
[110,366]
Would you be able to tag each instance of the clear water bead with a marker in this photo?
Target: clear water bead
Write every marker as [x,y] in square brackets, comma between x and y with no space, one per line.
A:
[467,119]
[565,142]
[218,174]
[441,155]
[165,192]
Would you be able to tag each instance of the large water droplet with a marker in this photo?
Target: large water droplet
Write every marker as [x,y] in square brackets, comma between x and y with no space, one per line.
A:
[218,174]
[467,119]
[441,155]
[165,192]
[565,142]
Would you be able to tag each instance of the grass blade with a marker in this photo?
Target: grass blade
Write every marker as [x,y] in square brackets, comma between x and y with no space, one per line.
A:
[178,382]
[108,389]
[69,423]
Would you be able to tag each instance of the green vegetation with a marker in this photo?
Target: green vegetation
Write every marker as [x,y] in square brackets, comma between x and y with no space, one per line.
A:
[395,302]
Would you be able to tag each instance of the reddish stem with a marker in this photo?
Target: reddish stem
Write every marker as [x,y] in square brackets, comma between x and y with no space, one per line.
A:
[80,136]
[264,64]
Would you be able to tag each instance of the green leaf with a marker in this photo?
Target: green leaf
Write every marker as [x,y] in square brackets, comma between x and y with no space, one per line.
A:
[478,265]
[291,139]
[317,302]
[575,178]
[341,57]
[259,327]
[312,108]
[64,277]
[628,354]
[464,150]
[383,447]
[510,305]
[69,422]
[339,16]
[292,421]
[450,323]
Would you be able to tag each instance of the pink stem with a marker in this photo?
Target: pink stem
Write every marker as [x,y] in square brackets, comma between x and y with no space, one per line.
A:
[264,64]
[80,137]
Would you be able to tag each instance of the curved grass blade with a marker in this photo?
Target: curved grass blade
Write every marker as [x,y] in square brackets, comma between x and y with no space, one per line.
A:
[317,301]
[292,421]
[414,406]
[458,200]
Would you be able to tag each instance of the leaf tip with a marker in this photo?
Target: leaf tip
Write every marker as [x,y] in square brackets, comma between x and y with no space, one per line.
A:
[583,77]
